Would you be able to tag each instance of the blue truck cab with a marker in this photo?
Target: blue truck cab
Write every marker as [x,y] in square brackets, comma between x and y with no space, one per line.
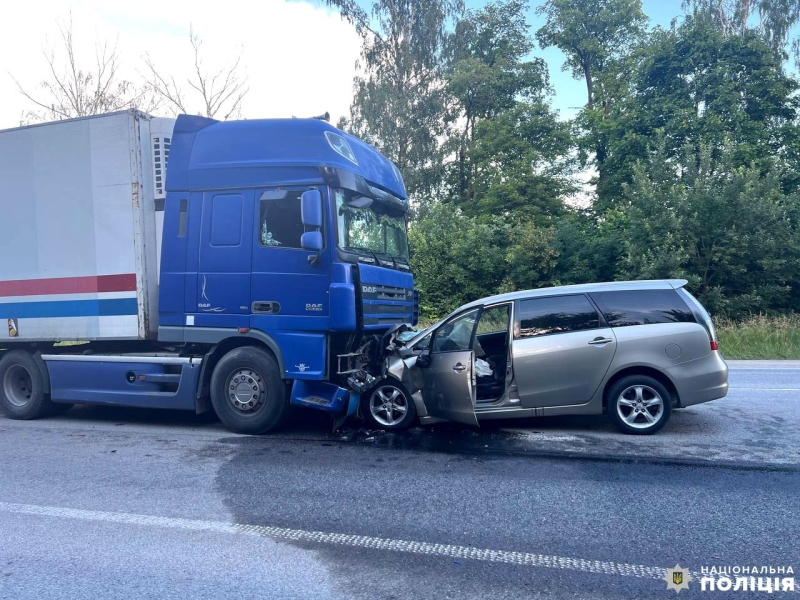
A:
[288,235]
[283,264]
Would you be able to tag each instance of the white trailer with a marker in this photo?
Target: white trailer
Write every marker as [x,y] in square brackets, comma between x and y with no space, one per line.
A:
[80,234]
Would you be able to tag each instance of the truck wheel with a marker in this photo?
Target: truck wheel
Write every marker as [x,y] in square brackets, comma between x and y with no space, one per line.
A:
[388,406]
[247,391]
[22,393]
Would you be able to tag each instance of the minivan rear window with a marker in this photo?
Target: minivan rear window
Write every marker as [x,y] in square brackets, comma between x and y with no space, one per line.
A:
[642,307]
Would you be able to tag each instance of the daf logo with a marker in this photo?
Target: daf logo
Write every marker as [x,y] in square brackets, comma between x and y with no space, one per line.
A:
[314,307]
[369,289]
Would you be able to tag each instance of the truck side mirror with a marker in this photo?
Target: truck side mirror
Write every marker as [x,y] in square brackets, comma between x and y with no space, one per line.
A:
[311,214]
[312,240]
[311,208]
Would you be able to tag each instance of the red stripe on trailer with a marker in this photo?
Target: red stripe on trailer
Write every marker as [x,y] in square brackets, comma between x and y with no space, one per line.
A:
[69,285]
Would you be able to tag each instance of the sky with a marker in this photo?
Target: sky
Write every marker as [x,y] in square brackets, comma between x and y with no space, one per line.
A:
[299,56]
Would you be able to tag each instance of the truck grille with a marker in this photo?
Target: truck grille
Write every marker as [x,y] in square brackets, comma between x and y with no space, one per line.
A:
[387,305]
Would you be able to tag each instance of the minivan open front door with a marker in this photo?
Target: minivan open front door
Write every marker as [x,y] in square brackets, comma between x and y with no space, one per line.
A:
[449,376]
[449,391]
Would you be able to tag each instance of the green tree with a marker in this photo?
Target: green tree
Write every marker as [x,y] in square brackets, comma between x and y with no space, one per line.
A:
[511,150]
[458,258]
[398,103]
[598,38]
[588,248]
[521,162]
[702,88]
[530,256]
[770,19]
[455,258]
[730,230]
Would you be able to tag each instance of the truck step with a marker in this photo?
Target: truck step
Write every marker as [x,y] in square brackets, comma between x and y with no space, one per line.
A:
[320,395]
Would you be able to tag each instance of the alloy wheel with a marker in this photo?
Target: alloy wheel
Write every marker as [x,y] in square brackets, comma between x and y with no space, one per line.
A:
[640,406]
[388,405]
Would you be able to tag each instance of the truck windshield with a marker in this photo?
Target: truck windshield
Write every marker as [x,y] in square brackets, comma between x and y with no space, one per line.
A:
[372,229]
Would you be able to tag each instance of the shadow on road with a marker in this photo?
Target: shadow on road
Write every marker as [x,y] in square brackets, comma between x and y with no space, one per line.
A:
[303,421]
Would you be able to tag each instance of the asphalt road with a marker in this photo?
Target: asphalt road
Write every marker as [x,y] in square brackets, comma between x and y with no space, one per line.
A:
[114,503]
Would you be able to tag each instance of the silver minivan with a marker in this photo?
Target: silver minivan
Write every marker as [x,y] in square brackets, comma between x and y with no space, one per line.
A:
[634,349]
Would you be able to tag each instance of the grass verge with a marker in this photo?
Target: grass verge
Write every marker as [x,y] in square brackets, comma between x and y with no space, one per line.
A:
[760,337]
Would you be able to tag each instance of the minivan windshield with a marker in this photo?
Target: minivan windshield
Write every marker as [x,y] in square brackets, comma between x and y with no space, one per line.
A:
[370,228]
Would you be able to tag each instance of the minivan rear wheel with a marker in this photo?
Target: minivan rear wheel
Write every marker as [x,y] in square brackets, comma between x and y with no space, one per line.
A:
[638,405]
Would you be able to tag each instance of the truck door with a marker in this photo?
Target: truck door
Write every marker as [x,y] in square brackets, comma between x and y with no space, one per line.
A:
[449,378]
[223,282]
[290,285]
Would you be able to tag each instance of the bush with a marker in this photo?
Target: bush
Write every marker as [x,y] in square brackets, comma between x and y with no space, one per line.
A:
[760,337]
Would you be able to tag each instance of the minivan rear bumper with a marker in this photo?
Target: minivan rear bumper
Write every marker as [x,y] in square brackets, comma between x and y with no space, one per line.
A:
[700,380]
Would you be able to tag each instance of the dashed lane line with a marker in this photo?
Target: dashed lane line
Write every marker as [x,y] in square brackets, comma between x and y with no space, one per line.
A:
[763,389]
[526,559]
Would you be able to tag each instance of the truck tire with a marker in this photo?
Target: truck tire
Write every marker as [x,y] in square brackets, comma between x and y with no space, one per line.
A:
[247,391]
[22,394]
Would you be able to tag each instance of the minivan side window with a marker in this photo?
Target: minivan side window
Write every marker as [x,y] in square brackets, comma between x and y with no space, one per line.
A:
[556,314]
[456,335]
[624,308]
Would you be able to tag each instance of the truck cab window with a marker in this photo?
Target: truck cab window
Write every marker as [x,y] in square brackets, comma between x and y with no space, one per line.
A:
[280,224]
[371,228]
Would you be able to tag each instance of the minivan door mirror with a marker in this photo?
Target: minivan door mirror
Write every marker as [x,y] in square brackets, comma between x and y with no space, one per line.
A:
[311,208]
[424,359]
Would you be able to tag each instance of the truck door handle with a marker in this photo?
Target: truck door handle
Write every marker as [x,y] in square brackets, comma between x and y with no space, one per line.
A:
[458,367]
[266,308]
[600,341]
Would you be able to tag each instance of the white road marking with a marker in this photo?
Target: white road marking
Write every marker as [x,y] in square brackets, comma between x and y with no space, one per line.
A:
[341,539]
[766,389]
[765,368]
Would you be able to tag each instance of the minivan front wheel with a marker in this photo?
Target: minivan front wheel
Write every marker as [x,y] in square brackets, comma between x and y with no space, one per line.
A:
[388,406]
[639,405]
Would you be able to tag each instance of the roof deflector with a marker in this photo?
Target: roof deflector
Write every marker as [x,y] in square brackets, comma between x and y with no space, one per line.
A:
[192,123]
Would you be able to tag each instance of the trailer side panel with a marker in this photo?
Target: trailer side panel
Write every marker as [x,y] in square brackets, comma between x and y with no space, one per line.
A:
[71,266]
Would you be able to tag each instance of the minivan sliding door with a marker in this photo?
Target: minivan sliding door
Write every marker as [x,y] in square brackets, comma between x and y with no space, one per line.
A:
[562,350]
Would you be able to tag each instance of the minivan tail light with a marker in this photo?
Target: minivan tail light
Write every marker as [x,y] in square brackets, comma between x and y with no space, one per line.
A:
[702,316]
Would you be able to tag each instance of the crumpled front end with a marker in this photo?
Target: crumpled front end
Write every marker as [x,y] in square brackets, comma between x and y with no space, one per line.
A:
[390,360]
